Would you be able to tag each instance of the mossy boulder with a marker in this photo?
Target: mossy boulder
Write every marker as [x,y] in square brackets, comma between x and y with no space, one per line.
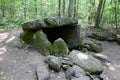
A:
[27,37]
[41,43]
[96,47]
[60,47]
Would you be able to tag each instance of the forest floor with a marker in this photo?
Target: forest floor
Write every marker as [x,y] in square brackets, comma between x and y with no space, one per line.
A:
[19,62]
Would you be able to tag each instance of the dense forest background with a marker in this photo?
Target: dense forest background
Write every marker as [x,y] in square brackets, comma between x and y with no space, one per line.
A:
[91,13]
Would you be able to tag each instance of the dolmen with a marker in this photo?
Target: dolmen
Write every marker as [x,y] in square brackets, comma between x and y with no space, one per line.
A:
[52,35]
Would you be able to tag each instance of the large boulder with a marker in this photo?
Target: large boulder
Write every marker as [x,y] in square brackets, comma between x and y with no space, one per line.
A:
[87,62]
[60,21]
[49,22]
[27,37]
[41,43]
[60,47]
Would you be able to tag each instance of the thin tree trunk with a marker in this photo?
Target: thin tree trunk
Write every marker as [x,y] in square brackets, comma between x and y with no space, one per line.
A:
[116,15]
[98,16]
[103,9]
[59,7]
[35,7]
[71,8]
[75,8]
[64,7]
[3,8]
[25,8]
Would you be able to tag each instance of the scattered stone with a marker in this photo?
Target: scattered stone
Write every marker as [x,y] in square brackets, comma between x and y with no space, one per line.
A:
[96,47]
[65,67]
[78,72]
[101,57]
[84,50]
[67,61]
[96,79]
[58,76]
[74,71]
[41,43]
[60,47]
[81,78]
[69,73]
[42,73]
[86,62]
[54,62]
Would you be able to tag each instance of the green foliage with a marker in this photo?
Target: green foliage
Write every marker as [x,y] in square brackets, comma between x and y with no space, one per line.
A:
[12,11]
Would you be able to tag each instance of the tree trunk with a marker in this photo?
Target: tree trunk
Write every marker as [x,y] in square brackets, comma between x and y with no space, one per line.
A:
[25,8]
[71,8]
[59,7]
[3,8]
[64,8]
[115,2]
[12,8]
[98,15]
[74,8]
[35,7]
[103,9]
[77,7]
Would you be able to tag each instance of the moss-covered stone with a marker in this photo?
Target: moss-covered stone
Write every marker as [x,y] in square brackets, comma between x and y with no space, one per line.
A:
[27,37]
[60,47]
[41,43]
[96,47]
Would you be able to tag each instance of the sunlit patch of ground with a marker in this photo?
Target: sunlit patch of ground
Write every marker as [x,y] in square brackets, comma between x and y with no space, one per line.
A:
[3,36]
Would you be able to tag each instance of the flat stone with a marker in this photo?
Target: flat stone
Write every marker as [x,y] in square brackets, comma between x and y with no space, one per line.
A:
[86,62]
[78,71]
[54,62]
[42,73]
[49,22]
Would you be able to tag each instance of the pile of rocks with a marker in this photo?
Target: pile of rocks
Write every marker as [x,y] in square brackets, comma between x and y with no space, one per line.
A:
[76,66]
[102,36]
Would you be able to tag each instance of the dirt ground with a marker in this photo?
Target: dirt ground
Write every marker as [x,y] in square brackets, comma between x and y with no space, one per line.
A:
[19,62]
